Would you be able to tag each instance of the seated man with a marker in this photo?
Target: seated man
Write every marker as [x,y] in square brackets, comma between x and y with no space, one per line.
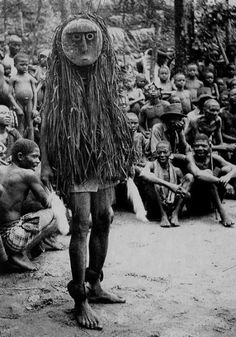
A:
[170,129]
[207,187]
[170,184]
[20,234]
[210,124]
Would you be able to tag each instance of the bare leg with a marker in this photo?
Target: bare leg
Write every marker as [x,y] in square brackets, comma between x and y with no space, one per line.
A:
[80,206]
[186,185]
[225,220]
[47,225]
[164,218]
[102,215]
[29,129]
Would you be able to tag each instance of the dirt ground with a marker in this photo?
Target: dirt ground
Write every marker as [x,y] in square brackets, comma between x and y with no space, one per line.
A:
[178,282]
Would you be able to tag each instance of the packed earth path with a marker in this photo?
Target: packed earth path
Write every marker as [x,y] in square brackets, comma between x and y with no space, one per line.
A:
[178,282]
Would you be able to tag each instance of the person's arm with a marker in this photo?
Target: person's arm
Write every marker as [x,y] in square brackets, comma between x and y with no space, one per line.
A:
[149,176]
[19,111]
[46,171]
[37,189]
[204,175]
[228,169]
[142,121]
[33,86]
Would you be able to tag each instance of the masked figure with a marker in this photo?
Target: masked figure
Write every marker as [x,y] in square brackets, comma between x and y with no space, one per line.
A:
[86,144]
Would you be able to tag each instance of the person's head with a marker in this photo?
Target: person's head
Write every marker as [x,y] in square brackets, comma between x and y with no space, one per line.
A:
[164,73]
[5,118]
[141,81]
[21,62]
[192,70]
[231,70]
[133,121]
[43,57]
[180,81]
[201,145]
[7,69]
[129,83]
[232,97]
[211,109]
[14,44]
[163,151]
[209,77]
[201,100]
[232,84]
[220,84]
[151,91]
[25,153]
[172,117]
[224,99]
[170,53]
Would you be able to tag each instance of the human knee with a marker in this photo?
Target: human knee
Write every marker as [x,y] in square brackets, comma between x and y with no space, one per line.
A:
[103,220]
[189,178]
[80,228]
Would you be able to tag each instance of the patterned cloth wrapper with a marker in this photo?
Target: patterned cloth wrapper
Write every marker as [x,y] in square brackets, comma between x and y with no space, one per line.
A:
[18,234]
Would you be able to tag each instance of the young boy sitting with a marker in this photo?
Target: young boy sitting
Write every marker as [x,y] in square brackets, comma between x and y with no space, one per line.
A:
[171,186]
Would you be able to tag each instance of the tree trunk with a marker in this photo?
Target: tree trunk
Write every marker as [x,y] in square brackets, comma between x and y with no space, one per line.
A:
[63,10]
[184,32]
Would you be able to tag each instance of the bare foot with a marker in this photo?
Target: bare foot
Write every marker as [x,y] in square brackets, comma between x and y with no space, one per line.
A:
[98,295]
[86,317]
[22,261]
[164,222]
[174,220]
[227,222]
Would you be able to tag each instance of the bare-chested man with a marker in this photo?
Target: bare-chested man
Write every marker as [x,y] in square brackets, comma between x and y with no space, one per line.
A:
[20,234]
[152,111]
[207,187]
[170,184]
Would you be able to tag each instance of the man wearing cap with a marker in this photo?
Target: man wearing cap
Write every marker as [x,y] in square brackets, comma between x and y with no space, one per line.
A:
[170,129]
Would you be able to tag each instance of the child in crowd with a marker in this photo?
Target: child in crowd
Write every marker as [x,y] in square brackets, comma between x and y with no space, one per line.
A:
[210,87]
[152,111]
[23,87]
[231,71]
[192,81]
[40,75]
[141,81]
[7,71]
[135,97]
[182,93]
[163,80]
[221,85]
[232,84]
[8,135]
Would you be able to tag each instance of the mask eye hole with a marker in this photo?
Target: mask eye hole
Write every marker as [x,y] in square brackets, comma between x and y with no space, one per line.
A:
[76,37]
[90,36]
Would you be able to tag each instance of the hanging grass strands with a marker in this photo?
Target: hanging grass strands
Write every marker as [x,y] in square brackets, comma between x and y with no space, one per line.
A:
[86,133]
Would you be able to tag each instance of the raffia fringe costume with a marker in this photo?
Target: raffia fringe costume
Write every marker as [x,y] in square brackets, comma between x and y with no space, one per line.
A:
[87,135]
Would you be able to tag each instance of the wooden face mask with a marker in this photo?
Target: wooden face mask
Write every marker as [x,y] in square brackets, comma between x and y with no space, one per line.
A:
[82,42]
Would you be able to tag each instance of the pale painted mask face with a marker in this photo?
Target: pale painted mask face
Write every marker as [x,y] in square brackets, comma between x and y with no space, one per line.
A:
[82,42]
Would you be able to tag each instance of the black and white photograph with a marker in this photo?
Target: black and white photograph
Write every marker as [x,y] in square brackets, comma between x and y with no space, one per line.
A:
[117,168]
